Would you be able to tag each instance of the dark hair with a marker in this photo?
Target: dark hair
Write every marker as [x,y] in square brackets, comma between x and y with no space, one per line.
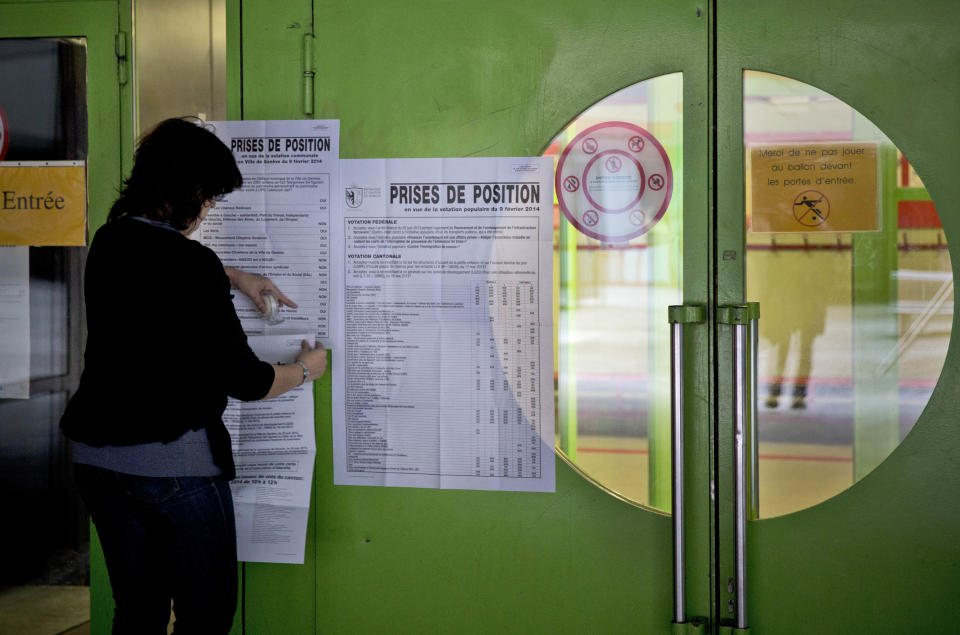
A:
[177,166]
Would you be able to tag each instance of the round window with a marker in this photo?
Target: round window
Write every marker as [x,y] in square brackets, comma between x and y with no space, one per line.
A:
[847,258]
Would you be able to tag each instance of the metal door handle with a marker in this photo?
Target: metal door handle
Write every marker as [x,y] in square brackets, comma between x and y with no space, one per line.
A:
[679,316]
[754,440]
[739,317]
[739,480]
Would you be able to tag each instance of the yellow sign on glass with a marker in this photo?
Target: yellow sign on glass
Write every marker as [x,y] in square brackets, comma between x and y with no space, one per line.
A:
[43,203]
[813,187]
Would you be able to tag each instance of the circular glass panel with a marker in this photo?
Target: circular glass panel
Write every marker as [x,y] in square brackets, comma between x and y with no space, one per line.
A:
[617,250]
[846,256]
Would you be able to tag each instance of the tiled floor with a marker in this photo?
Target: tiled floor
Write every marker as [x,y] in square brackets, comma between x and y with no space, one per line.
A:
[45,610]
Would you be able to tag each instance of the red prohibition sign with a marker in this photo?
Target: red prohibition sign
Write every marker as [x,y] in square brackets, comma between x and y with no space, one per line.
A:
[629,205]
[613,164]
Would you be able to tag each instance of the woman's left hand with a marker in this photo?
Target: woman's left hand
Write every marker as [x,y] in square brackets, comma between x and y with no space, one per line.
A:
[254,285]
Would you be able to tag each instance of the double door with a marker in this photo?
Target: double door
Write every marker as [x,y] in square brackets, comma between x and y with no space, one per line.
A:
[505,79]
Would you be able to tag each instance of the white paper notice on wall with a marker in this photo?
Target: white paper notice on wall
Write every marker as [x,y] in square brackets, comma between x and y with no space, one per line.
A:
[15,322]
[276,224]
[274,448]
[443,364]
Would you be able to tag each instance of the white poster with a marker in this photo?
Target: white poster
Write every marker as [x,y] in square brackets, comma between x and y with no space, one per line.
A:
[443,365]
[274,450]
[15,322]
[277,223]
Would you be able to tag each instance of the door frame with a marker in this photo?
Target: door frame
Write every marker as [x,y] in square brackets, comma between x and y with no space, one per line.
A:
[109,148]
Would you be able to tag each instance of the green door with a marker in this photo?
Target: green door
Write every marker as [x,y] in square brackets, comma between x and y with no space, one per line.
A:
[504,79]
[448,79]
[881,554]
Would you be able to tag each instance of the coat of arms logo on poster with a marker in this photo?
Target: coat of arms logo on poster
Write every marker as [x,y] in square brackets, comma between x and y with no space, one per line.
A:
[354,196]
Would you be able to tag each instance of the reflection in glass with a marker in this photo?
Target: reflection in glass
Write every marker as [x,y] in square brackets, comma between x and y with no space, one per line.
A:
[855,320]
[611,299]
[43,94]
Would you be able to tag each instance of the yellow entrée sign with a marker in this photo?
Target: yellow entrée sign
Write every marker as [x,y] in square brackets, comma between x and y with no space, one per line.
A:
[43,203]
[813,187]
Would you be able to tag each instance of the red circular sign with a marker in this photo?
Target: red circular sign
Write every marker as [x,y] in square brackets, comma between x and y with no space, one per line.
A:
[4,134]
[614,181]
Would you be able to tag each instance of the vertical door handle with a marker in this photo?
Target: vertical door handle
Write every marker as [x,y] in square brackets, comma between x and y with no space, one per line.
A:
[754,439]
[678,316]
[739,317]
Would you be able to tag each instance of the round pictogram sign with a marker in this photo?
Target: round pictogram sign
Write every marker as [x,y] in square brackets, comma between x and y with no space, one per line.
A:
[4,134]
[811,208]
[614,181]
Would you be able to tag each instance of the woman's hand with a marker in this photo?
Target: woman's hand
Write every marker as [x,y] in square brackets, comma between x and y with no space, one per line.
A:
[315,358]
[253,285]
[289,376]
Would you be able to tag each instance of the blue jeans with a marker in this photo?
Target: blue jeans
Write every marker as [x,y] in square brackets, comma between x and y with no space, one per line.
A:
[164,539]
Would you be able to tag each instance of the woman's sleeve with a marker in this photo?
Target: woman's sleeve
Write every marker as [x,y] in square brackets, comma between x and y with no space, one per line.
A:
[240,372]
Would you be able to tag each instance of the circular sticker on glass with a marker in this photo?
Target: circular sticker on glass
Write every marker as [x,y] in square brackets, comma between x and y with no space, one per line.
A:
[614,181]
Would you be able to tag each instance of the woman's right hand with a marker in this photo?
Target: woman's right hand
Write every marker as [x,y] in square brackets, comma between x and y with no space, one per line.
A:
[286,377]
[315,358]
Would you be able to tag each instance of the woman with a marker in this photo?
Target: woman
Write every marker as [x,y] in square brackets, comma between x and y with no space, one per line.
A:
[164,351]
